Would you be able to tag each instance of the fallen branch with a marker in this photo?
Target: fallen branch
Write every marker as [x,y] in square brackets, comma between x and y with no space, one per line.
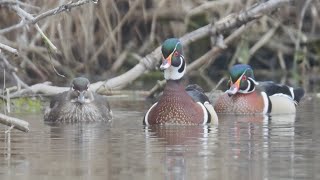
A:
[48,90]
[210,55]
[149,61]
[230,22]
[14,122]
[42,88]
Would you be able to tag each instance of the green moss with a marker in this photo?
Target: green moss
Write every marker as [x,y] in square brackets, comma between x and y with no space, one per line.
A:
[23,105]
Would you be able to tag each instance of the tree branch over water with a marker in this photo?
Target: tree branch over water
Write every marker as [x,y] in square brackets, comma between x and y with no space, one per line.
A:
[227,23]
[147,63]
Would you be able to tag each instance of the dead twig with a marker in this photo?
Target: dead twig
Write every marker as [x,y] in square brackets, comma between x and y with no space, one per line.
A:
[112,34]
[263,40]
[51,12]
[13,71]
[23,14]
[14,2]
[149,61]
[8,48]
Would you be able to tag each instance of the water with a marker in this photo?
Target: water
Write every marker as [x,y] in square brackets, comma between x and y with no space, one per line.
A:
[256,147]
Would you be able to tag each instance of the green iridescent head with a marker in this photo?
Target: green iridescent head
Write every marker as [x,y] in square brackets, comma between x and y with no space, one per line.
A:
[171,51]
[173,62]
[240,69]
[241,77]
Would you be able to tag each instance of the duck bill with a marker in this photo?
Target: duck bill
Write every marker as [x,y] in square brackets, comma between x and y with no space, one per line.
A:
[81,98]
[166,62]
[234,88]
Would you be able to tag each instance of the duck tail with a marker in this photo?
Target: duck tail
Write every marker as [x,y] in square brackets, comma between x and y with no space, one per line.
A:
[298,94]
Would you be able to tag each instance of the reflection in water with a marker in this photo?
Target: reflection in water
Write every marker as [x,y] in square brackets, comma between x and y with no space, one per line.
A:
[241,147]
[179,142]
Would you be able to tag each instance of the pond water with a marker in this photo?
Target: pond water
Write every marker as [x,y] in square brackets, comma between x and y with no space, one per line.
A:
[241,147]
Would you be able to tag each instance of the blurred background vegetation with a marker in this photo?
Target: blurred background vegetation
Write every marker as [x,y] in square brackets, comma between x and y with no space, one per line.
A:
[106,39]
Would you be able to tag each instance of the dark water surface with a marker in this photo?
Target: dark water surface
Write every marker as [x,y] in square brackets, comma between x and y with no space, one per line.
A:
[256,147]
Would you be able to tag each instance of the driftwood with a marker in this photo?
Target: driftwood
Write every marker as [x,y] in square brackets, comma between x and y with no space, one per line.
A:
[14,122]
[149,61]
[228,23]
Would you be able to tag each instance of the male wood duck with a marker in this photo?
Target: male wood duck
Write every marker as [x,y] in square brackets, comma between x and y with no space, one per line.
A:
[178,105]
[79,104]
[247,96]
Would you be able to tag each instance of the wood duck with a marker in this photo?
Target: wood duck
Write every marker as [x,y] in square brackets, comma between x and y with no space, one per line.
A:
[178,105]
[79,104]
[247,96]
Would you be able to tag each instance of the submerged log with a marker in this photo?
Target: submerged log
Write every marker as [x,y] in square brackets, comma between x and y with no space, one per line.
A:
[14,122]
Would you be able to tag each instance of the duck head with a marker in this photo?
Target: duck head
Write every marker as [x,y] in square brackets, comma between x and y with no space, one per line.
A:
[241,79]
[79,91]
[173,63]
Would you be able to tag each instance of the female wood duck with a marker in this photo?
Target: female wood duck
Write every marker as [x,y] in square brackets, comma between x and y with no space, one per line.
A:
[177,105]
[247,96]
[79,104]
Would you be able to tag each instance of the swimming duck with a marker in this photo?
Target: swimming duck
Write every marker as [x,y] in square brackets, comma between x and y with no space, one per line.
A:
[79,104]
[178,105]
[247,96]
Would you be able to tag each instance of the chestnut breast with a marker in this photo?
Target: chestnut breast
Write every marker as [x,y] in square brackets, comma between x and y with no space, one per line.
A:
[176,107]
[250,103]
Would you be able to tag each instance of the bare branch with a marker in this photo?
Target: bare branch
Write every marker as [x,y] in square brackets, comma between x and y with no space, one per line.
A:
[41,88]
[57,10]
[14,2]
[13,71]
[8,48]
[230,22]
[22,13]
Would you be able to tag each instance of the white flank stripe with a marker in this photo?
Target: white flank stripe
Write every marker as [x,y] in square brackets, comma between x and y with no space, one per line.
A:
[266,102]
[147,114]
[212,112]
[205,112]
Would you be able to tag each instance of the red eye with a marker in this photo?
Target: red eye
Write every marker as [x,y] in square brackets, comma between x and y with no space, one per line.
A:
[176,53]
[244,77]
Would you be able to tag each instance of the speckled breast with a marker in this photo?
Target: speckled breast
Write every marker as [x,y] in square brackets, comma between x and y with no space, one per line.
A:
[176,108]
[251,103]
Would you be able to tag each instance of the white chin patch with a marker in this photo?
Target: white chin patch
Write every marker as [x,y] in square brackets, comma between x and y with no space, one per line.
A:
[164,65]
[172,73]
[232,90]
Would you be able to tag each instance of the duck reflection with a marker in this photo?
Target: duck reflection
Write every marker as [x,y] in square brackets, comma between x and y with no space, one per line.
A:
[178,142]
[257,139]
[179,134]
[72,144]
